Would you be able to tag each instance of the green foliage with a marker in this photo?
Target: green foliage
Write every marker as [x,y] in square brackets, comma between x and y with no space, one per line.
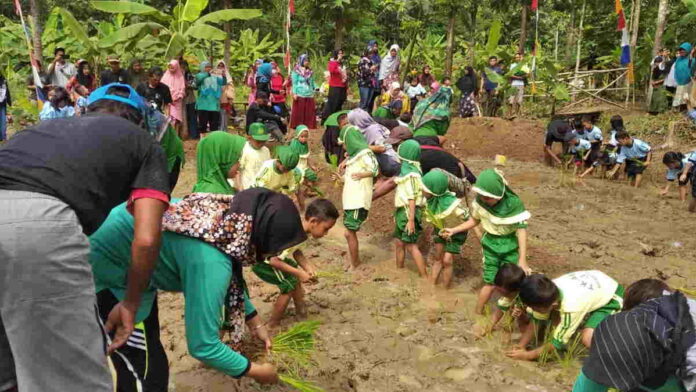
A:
[249,48]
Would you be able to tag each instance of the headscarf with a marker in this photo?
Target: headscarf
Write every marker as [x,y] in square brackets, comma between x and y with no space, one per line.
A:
[264,72]
[643,346]
[226,72]
[353,141]
[175,80]
[509,209]
[392,88]
[85,80]
[442,201]
[249,227]
[215,155]
[389,64]
[682,70]
[288,157]
[410,154]
[300,69]
[302,149]
[210,86]
[435,107]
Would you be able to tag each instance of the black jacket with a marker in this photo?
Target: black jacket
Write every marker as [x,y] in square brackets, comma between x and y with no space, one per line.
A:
[255,113]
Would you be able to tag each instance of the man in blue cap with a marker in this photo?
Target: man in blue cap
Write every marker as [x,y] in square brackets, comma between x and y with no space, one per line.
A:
[58,182]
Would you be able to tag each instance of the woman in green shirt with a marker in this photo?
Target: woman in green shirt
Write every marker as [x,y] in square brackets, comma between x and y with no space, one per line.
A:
[431,116]
[207,240]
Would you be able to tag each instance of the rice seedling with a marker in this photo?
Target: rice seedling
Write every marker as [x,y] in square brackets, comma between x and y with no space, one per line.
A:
[316,190]
[572,353]
[690,293]
[293,348]
[434,220]
[299,384]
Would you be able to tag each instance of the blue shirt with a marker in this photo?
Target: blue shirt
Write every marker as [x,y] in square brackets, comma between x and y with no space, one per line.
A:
[487,84]
[639,149]
[673,174]
[49,112]
[582,146]
[592,135]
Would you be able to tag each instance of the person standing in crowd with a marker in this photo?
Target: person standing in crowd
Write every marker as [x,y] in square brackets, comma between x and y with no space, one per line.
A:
[670,83]
[338,82]
[366,78]
[59,105]
[490,96]
[373,51]
[279,86]
[155,92]
[115,74]
[83,77]
[250,80]
[5,102]
[518,80]
[658,100]
[263,78]
[425,78]
[58,182]
[190,123]
[60,70]
[136,73]
[389,67]
[175,80]
[683,70]
[303,90]
[227,95]
[468,85]
[208,103]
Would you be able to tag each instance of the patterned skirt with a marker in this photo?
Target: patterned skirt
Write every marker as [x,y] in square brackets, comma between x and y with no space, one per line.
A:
[467,106]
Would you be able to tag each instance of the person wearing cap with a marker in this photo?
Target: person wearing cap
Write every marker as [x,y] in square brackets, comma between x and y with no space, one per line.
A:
[261,112]
[115,74]
[60,70]
[58,181]
[558,131]
[254,154]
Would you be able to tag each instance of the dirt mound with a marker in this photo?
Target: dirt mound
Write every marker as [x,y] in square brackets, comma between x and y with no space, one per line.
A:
[485,137]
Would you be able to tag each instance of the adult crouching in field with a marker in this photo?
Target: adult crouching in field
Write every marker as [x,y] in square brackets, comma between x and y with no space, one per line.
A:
[204,265]
[432,115]
[58,182]
[558,131]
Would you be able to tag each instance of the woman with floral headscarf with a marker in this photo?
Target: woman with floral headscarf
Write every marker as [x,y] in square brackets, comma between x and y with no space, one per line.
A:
[432,115]
[303,90]
[207,240]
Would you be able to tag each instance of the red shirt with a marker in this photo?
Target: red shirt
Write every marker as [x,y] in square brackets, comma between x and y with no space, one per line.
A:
[278,84]
[336,78]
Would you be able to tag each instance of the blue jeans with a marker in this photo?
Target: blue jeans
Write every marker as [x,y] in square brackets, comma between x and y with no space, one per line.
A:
[3,122]
[365,98]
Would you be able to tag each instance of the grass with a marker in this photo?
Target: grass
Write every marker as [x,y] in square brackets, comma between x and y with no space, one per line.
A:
[299,384]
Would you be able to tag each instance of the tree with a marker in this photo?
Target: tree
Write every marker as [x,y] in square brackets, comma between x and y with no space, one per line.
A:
[36,20]
[523,27]
[662,11]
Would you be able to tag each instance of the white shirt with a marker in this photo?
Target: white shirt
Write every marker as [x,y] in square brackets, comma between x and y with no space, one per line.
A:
[62,73]
[250,163]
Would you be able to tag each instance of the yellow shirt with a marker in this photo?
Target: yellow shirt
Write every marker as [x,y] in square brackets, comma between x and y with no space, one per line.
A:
[250,163]
[456,214]
[386,99]
[582,292]
[269,178]
[493,224]
[358,194]
[409,187]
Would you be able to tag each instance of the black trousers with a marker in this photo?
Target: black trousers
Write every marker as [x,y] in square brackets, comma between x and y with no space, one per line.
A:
[208,121]
[142,359]
[337,97]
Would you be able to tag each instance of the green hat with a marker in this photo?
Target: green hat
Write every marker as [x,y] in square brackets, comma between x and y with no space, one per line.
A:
[258,131]
[410,154]
[442,201]
[332,120]
[510,209]
[288,157]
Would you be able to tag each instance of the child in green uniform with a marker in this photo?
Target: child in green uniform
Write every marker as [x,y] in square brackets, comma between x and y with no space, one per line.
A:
[290,269]
[278,174]
[409,202]
[503,218]
[444,210]
[360,168]
[307,175]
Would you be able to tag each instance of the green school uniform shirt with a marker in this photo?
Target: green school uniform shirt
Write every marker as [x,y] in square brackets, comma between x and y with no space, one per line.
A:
[269,178]
[186,265]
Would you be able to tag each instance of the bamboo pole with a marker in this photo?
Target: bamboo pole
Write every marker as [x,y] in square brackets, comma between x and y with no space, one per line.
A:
[580,35]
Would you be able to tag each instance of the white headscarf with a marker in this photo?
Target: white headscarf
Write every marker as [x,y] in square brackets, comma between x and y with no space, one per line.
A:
[389,64]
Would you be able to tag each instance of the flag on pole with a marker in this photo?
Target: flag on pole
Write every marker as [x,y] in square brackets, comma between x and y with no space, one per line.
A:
[621,17]
[535,5]
[625,47]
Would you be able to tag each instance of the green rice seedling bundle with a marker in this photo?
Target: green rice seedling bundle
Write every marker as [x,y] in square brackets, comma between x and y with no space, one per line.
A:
[293,348]
[299,384]
[690,293]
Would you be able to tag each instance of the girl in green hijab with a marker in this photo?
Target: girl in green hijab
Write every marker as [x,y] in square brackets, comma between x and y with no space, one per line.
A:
[409,202]
[300,145]
[217,159]
[444,210]
[280,174]
[502,215]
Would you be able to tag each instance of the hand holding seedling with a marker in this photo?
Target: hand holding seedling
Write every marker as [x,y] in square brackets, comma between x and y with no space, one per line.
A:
[263,374]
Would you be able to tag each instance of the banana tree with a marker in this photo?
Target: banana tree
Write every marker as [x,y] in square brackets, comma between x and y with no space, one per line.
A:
[178,31]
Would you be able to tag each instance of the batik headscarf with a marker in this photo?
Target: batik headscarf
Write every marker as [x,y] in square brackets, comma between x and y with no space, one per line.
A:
[288,157]
[442,202]
[264,72]
[249,227]
[410,154]
[682,70]
[434,108]
[301,70]
[509,209]
[302,149]
[352,140]
[215,155]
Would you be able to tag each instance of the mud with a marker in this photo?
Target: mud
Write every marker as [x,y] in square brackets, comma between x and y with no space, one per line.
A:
[385,330]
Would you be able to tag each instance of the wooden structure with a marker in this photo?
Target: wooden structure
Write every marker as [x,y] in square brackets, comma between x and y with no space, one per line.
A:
[610,86]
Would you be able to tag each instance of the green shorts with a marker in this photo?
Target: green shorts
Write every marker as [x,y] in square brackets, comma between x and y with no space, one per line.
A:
[498,250]
[401,220]
[455,243]
[354,219]
[285,282]
[613,306]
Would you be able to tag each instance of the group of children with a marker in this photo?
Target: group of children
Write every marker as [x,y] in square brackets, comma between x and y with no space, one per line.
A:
[618,153]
